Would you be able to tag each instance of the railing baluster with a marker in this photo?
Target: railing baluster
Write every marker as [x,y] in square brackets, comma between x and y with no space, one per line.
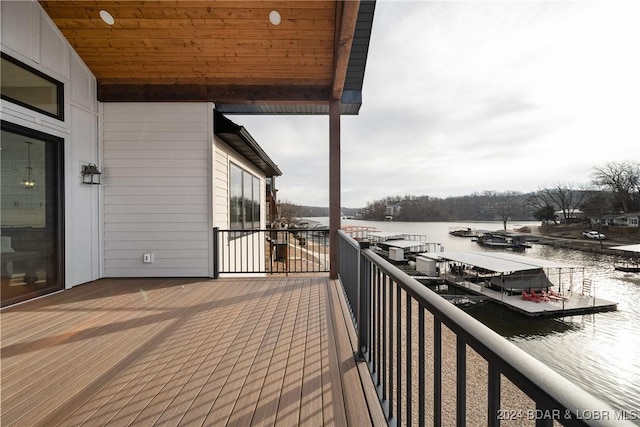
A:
[398,313]
[378,328]
[461,382]
[371,306]
[409,363]
[216,253]
[422,372]
[383,373]
[493,397]
[437,372]
[543,421]
[391,342]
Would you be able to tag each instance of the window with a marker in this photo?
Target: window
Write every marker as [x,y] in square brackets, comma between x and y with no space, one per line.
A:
[31,89]
[244,199]
[31,213]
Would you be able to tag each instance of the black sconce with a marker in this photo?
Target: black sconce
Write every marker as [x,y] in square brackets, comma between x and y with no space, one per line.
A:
[89,172]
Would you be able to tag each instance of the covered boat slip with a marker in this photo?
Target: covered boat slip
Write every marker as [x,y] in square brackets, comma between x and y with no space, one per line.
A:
[503,276]
[629,264]
[400,247]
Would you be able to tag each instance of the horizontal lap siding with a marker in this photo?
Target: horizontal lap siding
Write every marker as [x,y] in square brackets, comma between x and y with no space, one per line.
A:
[221,183]
[156,189]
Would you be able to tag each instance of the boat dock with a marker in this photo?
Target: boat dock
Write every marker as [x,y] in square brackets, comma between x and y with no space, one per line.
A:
[572,304]
[509,279]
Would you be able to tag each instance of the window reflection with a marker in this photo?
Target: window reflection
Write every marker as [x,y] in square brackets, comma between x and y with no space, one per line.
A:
[29,88]
[31,212]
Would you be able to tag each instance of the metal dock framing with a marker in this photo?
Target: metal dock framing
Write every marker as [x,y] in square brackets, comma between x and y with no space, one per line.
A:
[498,276]
[575,303]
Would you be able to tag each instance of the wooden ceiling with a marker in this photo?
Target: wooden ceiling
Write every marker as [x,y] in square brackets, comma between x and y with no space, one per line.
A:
[220,51]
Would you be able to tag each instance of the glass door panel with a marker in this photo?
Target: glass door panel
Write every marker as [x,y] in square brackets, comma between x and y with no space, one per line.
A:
[31,214]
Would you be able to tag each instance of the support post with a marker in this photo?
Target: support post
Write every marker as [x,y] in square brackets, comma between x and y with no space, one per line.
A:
[364,296]
[216,255]
[334,185]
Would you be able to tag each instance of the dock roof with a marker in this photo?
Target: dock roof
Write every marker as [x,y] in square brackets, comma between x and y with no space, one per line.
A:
[628,248]
[498,262]
[404,244]
[384,235]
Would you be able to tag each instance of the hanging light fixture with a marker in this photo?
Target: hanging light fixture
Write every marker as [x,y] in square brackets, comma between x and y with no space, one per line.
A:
[28,182]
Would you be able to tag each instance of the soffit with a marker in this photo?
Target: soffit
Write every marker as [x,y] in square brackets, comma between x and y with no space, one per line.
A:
[238,138]
[227,52]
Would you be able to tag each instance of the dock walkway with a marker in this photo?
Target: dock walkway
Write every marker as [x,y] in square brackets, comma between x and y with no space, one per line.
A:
[575,303]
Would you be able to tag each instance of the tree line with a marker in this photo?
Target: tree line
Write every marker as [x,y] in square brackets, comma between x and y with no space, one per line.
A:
[614,188]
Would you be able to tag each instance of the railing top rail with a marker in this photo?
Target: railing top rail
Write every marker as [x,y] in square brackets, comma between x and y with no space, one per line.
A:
[550,389]
[347,238]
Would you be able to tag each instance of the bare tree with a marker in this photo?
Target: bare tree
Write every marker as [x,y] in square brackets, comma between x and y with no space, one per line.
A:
[565,198]
[504,206]
[540,201]
[623,179]
[287,211]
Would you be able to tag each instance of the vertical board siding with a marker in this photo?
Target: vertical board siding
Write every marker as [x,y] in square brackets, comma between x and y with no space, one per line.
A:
[156,189]
[28,34]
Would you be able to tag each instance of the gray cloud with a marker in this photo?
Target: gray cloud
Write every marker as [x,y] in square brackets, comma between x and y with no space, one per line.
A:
[471,96]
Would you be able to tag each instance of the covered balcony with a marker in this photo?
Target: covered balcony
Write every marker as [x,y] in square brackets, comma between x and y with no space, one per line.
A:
[361,345]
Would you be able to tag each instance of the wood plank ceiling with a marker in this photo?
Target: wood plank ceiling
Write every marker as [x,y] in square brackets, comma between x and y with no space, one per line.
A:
[220,51]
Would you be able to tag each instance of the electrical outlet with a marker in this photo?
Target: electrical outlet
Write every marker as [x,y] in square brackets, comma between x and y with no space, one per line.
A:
[147,258]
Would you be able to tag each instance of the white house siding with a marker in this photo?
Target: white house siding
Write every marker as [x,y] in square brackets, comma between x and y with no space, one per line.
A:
[237,249]
[28,35]
[224,155]
[221,185]
[156,189]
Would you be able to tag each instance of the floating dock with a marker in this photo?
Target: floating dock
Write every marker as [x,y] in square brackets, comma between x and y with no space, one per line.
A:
[574,304]
[502,277]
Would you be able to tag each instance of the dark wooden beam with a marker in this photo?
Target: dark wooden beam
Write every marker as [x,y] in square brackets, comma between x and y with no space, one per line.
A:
[334,185]
[211,93]
[346,19]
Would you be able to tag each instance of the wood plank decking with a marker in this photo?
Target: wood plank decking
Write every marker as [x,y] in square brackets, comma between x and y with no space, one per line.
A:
[260,351]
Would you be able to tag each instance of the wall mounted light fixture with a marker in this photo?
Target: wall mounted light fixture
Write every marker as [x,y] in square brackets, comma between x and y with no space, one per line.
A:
[90,174]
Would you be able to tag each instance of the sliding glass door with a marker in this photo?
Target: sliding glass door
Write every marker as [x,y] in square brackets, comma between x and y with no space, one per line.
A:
[31,217]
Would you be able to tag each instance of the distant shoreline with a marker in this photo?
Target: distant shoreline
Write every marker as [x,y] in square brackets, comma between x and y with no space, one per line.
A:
[570,237]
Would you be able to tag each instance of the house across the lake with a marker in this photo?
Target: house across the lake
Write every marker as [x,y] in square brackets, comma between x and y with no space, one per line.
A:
[630,219]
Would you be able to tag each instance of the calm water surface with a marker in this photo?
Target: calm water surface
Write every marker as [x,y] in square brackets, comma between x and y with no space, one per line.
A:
[600,352]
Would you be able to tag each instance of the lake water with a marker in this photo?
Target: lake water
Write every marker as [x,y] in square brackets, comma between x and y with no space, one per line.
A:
[600,352]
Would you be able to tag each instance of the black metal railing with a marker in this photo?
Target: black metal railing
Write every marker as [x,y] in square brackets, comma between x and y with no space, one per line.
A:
[271,251]
[433,364]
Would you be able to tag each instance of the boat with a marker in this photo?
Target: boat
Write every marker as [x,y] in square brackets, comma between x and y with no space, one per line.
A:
[463,232]
[627,268]
[502,240]
[631,260]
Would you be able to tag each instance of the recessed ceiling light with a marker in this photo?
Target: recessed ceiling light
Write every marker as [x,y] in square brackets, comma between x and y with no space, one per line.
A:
[107,17]
[274,17]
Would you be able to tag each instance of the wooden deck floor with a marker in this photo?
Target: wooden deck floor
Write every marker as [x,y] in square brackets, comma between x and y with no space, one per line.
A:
[273,351]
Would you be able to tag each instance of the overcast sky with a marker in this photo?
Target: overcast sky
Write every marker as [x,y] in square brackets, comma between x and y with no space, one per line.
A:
[467,96]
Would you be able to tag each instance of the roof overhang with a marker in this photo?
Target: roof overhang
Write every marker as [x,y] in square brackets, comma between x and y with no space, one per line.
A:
[238,138]
[225,52]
